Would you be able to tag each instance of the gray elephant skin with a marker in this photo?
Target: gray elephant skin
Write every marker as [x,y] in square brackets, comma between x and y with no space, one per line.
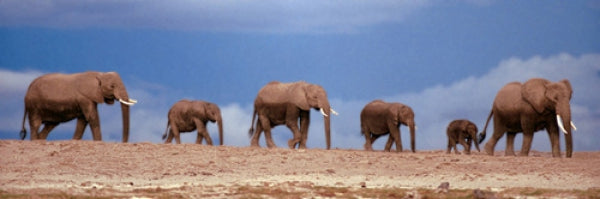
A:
[285,103]
[464,132]
[55,98]
[189,115]
[381,118]
[529,107]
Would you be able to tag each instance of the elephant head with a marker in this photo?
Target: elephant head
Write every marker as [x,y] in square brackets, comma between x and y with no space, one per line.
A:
[545,95]
[108,87]
[213,113]
[314,96]
[406,116]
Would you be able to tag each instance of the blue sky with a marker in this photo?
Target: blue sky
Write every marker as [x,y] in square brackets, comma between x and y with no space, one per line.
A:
[445,59]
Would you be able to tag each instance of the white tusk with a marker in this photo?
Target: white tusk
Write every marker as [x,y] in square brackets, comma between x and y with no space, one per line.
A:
[323,112]
[573,125]
[560,125]
[132,100]
[415,127]
[130,103]
[333,111]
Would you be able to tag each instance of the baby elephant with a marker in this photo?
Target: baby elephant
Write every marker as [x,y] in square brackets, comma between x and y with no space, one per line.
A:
[186,116]
[460,131]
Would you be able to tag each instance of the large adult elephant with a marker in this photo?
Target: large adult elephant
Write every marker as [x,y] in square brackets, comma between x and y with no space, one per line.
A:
[380,118]
[55,98]
[186,116]
[529,107]
[284,103]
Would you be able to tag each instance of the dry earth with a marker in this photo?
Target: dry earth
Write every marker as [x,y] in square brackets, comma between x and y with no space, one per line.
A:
[99,169]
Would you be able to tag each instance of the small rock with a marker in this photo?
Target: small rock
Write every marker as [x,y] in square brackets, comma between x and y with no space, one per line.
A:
[363,184]
[443,188]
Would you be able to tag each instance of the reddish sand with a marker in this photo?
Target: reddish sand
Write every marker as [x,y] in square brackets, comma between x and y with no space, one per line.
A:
[86,168]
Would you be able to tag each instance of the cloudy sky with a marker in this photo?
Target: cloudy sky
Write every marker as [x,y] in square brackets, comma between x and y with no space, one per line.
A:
[445,59]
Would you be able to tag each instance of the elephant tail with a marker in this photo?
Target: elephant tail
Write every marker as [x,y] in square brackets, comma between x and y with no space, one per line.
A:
[482,134]
[23,132]
[164,136]
[251,131]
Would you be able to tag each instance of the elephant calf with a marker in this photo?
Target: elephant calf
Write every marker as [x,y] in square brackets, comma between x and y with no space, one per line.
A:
[463,132]
[186,116]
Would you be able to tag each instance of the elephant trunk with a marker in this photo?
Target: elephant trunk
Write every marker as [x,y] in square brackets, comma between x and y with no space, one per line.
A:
[125,115]
[122,96]
[326,111]
[220,124]
[412,127]
[564,122]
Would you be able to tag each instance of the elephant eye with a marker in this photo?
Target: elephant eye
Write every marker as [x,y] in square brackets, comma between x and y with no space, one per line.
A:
[112,86]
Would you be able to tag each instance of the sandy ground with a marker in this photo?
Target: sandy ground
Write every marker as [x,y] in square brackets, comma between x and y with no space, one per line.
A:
[87,168]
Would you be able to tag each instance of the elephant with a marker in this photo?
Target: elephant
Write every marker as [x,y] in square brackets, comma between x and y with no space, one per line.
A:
[189,115]
[464,132]
[380,118]
[55,98]
[280,103]
[529,107]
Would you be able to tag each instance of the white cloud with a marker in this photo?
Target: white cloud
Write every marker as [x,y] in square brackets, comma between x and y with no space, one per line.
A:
[255,16]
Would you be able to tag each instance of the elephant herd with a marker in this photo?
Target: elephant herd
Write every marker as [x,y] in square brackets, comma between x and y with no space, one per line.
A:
[527,107]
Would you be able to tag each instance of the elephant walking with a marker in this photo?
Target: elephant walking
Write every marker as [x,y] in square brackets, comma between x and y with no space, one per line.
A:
[55,98]
[380,118]
[529,107]
[285,103]
[463,132]
[186,116]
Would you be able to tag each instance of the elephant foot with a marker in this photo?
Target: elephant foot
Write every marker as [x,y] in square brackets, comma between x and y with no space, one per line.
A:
[292,144]
[489,149]
[524,154]
[512,153]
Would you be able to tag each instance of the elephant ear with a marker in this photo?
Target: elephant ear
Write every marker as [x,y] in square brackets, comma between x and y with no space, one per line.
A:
[88,84]
[568,85]
[299,93]
[534,92]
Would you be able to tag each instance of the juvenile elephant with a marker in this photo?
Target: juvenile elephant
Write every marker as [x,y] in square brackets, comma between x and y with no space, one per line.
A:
[380,118]
[284,103]
[55,98]
[463,132]
[186,116]
[535,105]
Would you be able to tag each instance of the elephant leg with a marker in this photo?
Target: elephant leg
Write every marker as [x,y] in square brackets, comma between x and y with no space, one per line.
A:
[450,145]
[304,123]
[46,130]
[90,111]
[292,124]
[80,128]
[266,127]
[174,134]
[499,130]
[34,126]
[510,144]
[202,133]
[527,139]
[388,145]
[462,142]
[368,140]
[554,136]
[256,134]
[468,148]
[395,134]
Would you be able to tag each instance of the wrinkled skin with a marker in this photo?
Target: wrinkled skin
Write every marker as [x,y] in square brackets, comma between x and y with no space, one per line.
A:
[285,103]
[381,118]
[530,107]
[463,132]
[55,98]
[186,116]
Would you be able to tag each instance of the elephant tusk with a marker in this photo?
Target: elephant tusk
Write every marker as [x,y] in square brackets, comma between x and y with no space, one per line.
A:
[560,125]
[333,111]
[573,125]
[128,103]
[133,100]
[323,112]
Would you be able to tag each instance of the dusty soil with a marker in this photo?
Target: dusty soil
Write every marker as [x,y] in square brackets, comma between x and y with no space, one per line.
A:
[99,169]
